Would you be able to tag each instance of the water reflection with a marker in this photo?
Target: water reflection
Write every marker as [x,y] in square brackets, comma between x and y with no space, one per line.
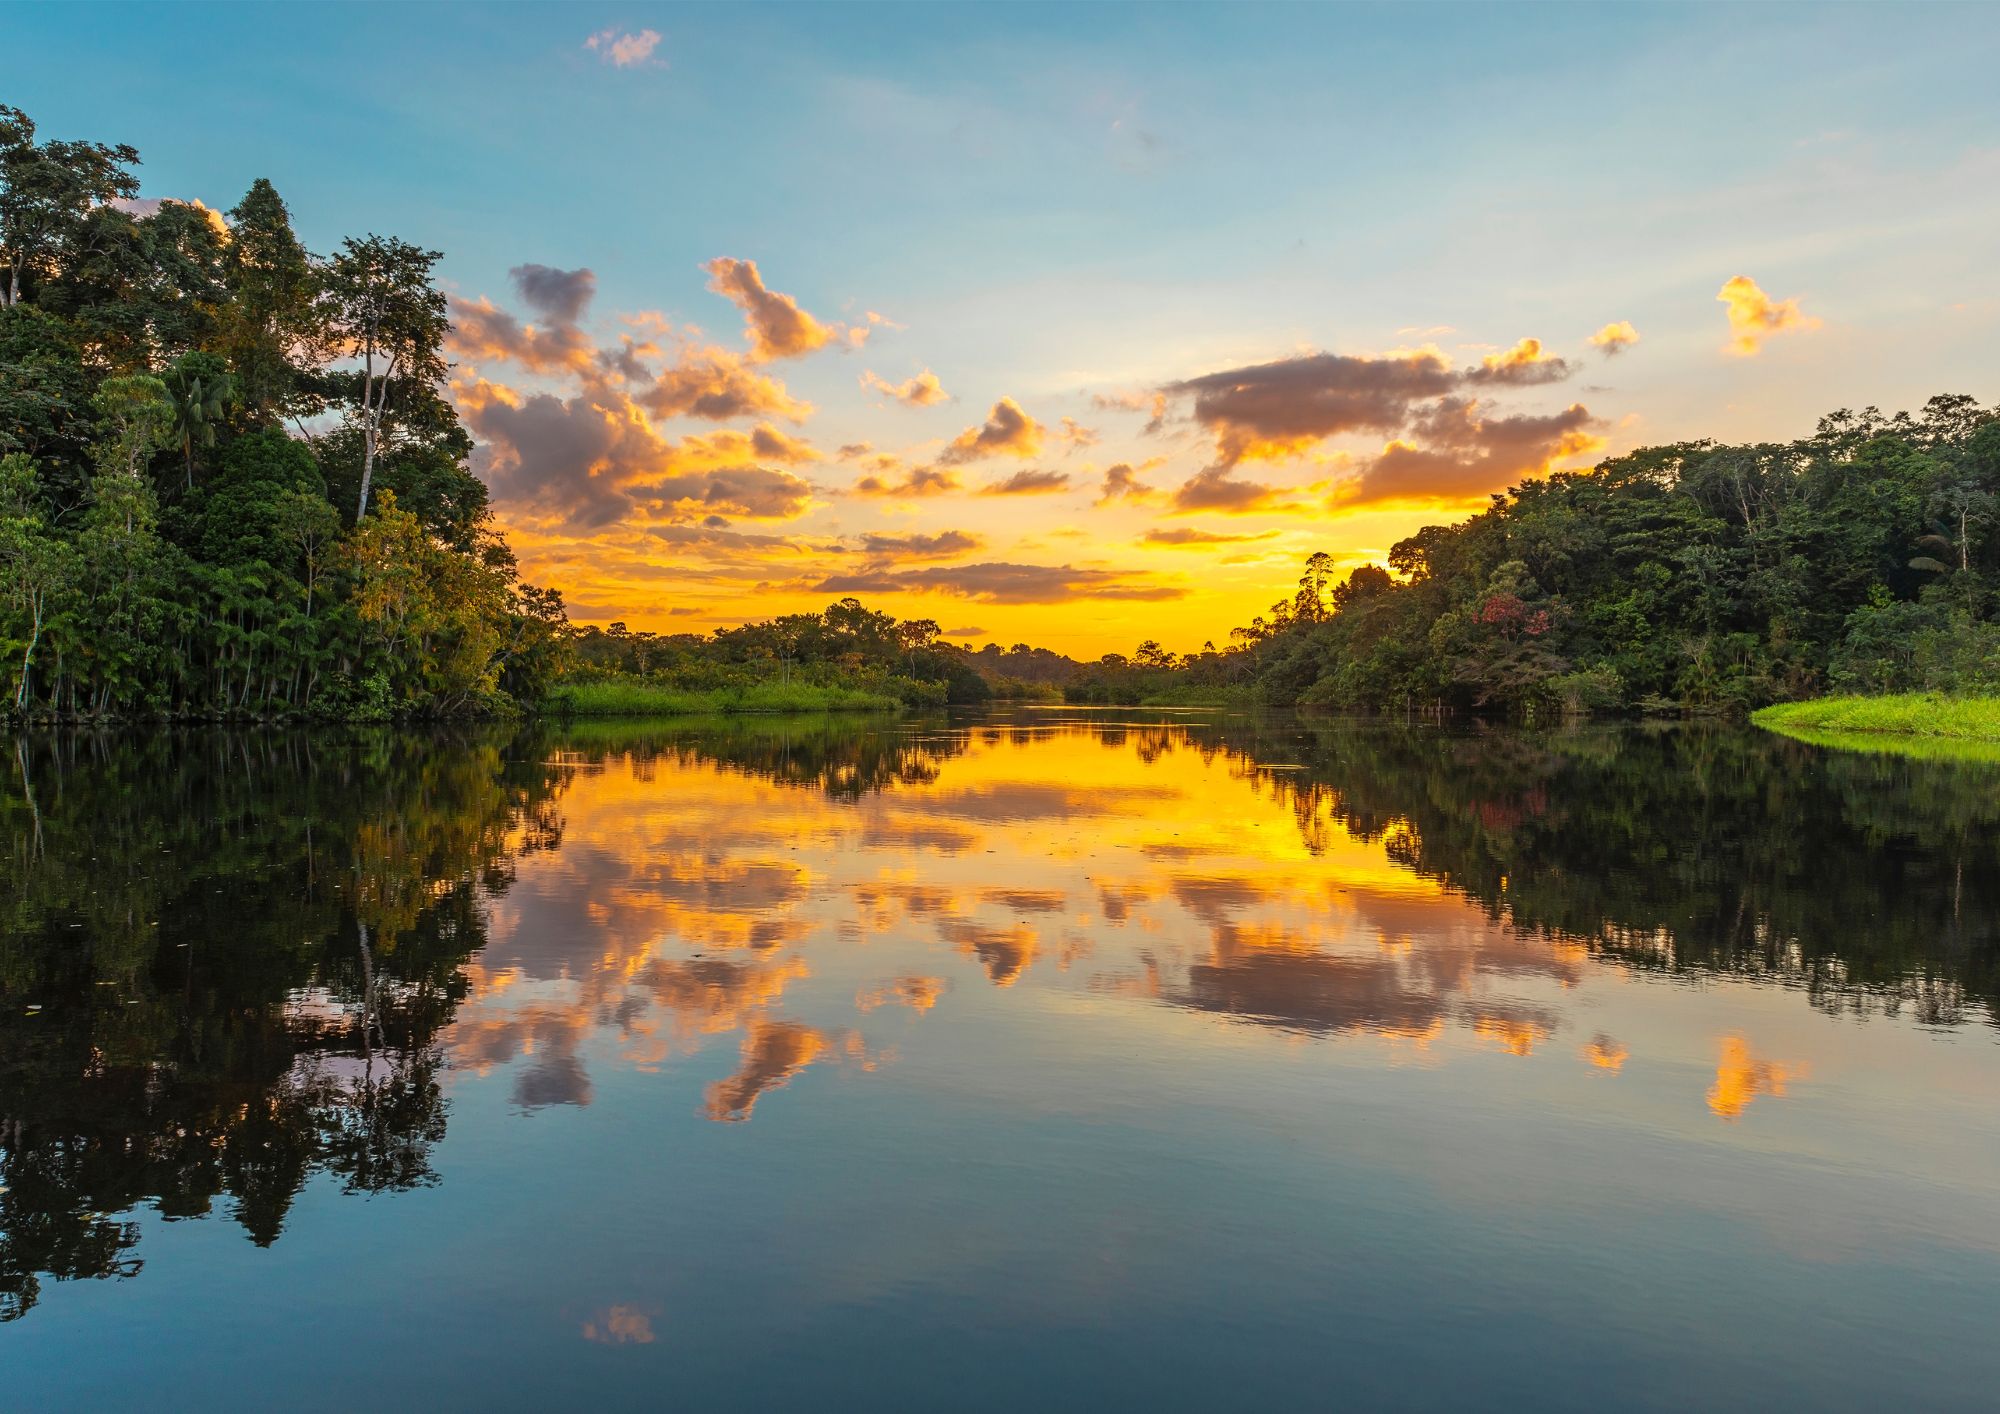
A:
[233,962]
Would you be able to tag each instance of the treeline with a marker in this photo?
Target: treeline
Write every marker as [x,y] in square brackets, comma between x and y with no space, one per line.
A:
[846,646]
[229,482]
[1696,577]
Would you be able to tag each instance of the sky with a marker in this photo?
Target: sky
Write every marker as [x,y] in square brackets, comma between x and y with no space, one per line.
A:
[1083,325]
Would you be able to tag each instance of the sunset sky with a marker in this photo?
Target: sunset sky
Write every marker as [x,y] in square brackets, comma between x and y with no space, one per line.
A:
[1081,325]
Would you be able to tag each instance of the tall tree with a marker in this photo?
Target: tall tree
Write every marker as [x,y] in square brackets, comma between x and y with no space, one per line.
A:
[269,321]
[47,189]
[379,308]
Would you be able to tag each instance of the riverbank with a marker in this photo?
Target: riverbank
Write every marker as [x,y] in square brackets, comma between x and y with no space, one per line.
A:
[631,699]
[1903,715]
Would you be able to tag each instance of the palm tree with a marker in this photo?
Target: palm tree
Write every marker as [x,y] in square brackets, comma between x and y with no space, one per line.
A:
[202,390]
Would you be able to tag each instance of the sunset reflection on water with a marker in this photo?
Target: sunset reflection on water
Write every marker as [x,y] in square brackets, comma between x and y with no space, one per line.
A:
[1135,1056]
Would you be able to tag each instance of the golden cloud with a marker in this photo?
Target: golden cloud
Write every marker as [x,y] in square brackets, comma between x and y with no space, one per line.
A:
[919,391]
[1007,431]
[1525,363]
[1754,316]
[919,481]
[774,323]
[1615,337]
[1028,483]
[1122,483]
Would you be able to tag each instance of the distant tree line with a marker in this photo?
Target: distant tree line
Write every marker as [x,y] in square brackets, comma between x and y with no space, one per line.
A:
[229,481]
[1694,577]
[847,645]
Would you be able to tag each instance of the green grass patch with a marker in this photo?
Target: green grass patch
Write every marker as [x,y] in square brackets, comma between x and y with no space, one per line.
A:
[1910,714]
[638,699]
[1191,695]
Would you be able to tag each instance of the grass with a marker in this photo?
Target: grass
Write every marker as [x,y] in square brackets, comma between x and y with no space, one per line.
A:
[1927,726]
[1191,695]
[634,699]
[1910,714]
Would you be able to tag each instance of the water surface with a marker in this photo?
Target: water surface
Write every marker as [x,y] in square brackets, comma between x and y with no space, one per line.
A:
[1046,1058]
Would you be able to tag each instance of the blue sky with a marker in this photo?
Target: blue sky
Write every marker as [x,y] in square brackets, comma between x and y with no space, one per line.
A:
[1062,204]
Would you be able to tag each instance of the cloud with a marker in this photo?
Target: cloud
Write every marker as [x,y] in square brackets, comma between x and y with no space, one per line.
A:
[920,481]
[919,391]
[1074,434]
[1754,316]
[717,385]
[1183,536]
[619,1325]
[944,545]
[967,632]
[1214,489]
[1000,583]
[1269,411]
[593,459]
[772,1053]
[482,332]
[1464,452]
[754,491]
[774,323]
[1525,364]
[1028,483]
[1122,483]
[143,208]
[624,51]
[1615,338]
[560,296]
[1008,431]
[1154,404]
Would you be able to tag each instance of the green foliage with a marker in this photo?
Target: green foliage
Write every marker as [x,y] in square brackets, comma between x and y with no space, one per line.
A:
[1698,578]
[626,698]
[166,548]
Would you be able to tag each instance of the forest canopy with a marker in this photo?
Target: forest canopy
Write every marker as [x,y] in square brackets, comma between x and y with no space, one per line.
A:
[229,481]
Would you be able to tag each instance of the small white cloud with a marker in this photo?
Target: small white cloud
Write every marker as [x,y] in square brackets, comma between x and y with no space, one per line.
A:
[625,50]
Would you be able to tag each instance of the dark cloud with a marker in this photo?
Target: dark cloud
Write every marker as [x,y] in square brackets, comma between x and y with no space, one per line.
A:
[1185,536]
[1122,483]
[1000,583]
[482,332]
[1028,483]
[944,545]
[562,456]
[1527,364]
[920,481]
[754,491]
[1313,993]
[1461,451]
[1007,431]
[1214,489]
[717,385]
[1273,411]
[971,631]
[1270,409]
[557,295]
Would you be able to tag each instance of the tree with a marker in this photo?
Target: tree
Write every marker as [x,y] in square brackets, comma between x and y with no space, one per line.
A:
[46,191]
[201,389]
[35,566]
[270,318]
[378,307]
[138,414]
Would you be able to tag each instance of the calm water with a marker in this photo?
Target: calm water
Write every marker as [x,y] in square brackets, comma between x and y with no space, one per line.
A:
[1043,1060]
